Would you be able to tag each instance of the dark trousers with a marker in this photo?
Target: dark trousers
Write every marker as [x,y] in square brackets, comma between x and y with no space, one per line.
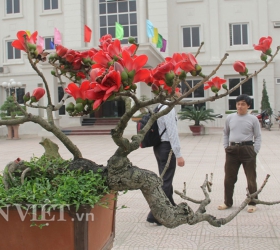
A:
[235,156]
[161,153]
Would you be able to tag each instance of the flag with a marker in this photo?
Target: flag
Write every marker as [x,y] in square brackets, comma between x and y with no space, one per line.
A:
[51,45]
[119,31]
[40,41]
[57,36]
[87,34]
[150,28]
[164,43]
[159,42]
[28,33]
[155,37]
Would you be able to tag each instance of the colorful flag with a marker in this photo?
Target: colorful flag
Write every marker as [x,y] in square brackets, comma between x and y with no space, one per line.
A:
[51,45]
[150,28]
[155,37]
[119,31]
[40,41]
[28,33]
[87,34]
[164,43]
[159,42]
[57,36]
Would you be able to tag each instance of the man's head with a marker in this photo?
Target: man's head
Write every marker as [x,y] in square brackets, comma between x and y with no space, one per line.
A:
[243,103]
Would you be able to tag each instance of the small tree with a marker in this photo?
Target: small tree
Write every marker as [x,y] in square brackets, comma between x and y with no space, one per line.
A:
[265,105]
[10,109]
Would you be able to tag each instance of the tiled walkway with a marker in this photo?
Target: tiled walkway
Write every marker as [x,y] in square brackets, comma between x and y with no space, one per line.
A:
[203,155]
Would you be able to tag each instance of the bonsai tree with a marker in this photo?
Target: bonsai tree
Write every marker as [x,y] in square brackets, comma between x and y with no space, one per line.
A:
[112,72]
[265,105]
[10,109]
[197,115]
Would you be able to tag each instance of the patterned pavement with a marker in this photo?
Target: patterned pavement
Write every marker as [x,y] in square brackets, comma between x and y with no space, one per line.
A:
[203,155]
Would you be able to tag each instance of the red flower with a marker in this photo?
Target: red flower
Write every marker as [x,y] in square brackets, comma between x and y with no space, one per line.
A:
[37,94]
[188,63]
[78,92]
[30,41]
[81,75]
[60,50]
[264,45]
[239,66]
[215,84]
[101,92]
[102,58]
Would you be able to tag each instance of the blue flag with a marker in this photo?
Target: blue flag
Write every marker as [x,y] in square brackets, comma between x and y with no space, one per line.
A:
[150,28]
[51,45]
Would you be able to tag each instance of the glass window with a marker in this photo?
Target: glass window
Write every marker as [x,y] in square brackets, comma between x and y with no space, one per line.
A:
[18,93]
[121,11]
[12,53]
[50,4]
[198,93]
[49,42]
[238,34]
[12,6]
[61,111]
[191,37]
[245,88]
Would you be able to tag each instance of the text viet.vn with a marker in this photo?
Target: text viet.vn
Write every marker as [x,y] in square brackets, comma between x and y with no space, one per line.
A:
[44,212]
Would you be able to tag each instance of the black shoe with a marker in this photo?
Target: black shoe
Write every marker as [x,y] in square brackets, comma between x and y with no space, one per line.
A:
[153,220]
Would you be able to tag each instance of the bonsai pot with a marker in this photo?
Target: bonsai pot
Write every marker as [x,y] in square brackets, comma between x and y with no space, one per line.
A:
[13,132]
[197,129]
[66,229]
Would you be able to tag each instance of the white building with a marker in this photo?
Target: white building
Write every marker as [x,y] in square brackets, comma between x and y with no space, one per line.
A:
[225,26]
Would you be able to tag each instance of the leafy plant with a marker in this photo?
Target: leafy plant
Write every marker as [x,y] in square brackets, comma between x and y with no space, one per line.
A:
[196,115]
[265,105]
[9,109]
[50,182]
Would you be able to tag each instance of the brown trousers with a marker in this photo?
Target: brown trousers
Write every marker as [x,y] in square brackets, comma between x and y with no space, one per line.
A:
[235,156]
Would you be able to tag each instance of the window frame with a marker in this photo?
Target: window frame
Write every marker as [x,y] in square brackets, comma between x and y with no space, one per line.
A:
[191,34]
[129,28]
[9,93]
[47,37]
[240,92]
[13,60]
[13,15]
[62,110]
[51,11]
[181,40]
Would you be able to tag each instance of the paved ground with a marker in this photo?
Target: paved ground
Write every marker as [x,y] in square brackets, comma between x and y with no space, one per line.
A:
[203,155]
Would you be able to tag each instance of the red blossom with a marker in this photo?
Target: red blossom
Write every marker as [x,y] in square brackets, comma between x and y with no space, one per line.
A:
[215,84]
[264,44]
[110,84]
[37,94]
[60,50]
[30,41]
[239,66]
[78,91]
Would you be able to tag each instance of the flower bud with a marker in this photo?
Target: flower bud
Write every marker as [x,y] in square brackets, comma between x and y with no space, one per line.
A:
[268,52]
[182,75]
[26,97]
[79,107]
[263,57]
[131,40]
[37,94]
[224,86]
[70,107]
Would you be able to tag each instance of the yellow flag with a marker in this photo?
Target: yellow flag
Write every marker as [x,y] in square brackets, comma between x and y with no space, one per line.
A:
[28,33]
[155,37]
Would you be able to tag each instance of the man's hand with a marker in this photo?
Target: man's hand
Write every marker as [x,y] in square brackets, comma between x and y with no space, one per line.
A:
[180,162]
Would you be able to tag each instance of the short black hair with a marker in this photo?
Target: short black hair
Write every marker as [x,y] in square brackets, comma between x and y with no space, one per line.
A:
[245,98]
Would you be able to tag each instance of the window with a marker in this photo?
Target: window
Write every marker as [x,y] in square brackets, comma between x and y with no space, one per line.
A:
[191,37]
[121,11]
[12,53]
[277,80]
[61,111]
[49,42]
[246,88]
[238,34]
[12,6]
[197,94]
[50,4]
[18,93]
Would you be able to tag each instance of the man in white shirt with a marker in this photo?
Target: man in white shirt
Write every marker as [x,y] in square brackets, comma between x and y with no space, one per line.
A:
[169,140]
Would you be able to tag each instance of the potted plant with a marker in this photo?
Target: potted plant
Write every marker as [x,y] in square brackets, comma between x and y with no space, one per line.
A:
[197,115]
[110,73]
[9,110]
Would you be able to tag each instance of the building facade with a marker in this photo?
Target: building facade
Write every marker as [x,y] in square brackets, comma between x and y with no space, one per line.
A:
[225,26]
